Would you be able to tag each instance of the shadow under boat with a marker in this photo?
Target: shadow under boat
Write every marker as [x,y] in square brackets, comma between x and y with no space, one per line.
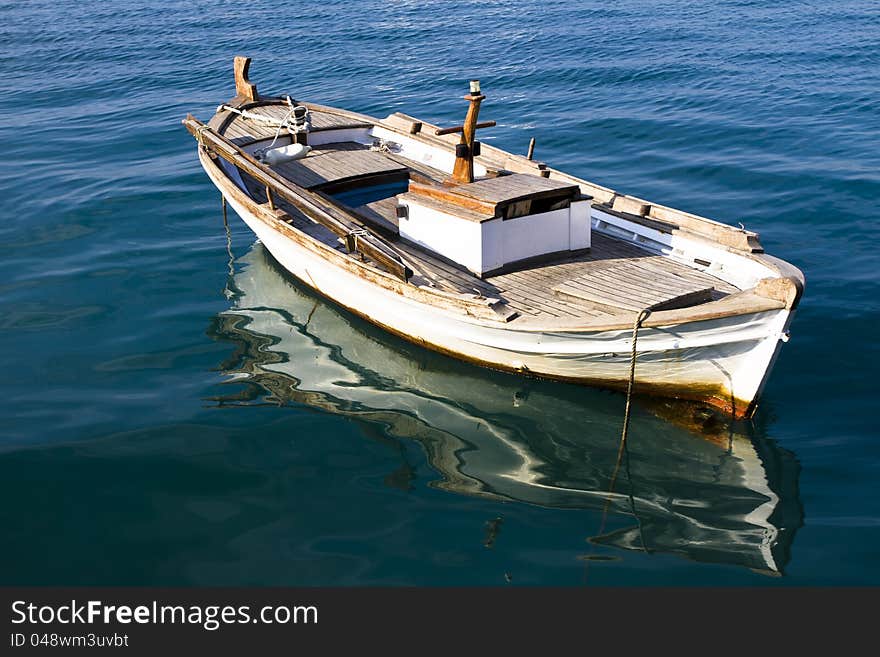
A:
[697,486]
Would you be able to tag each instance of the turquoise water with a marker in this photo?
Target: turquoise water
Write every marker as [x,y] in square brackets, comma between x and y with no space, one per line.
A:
[172,415]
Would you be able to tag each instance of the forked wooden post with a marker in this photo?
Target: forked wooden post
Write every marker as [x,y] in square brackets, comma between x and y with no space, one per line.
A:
[245,89]
[463,171]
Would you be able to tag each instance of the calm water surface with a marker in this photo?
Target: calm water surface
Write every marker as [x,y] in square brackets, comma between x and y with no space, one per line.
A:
[177,411]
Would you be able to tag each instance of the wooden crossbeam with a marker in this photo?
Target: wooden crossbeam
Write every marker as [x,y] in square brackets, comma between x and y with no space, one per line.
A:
[463,170]
[460,128]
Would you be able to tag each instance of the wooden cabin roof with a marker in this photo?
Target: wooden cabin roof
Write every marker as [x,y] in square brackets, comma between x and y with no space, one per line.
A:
[485,199]
[515,187]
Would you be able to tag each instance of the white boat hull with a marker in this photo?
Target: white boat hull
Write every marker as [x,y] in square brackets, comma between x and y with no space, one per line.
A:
[723,361]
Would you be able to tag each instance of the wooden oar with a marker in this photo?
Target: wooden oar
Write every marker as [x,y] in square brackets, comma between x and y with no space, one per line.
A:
[357,236]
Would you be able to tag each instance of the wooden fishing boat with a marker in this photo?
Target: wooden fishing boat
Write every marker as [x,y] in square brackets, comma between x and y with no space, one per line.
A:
[496,258]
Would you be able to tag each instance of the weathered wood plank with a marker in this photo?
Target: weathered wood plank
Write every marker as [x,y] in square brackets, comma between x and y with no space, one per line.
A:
[612,286]
[320,120]
[478,210]
[491,195]
[327,166]
[515,187]
[245,89]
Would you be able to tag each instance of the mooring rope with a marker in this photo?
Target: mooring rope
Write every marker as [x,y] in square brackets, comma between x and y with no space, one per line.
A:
[253,116]
[642,316]
[297,125]
[622,448]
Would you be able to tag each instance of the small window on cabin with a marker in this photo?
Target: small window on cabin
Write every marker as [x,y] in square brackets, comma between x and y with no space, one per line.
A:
[549,204]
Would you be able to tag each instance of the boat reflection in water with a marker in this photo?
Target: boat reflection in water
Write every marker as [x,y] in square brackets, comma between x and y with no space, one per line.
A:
[693,489]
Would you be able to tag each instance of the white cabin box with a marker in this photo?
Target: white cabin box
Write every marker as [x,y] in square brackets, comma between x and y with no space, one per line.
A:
[490,224]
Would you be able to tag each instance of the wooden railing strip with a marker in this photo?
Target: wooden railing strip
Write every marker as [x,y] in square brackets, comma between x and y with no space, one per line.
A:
[356,235]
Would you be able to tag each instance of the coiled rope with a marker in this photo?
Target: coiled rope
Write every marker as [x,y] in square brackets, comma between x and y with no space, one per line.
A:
[291,122]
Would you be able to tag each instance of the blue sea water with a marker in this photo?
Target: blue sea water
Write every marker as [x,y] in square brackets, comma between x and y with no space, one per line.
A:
[173,415]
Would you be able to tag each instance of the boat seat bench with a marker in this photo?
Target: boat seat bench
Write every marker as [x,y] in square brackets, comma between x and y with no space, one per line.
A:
[331,165]
[622,285]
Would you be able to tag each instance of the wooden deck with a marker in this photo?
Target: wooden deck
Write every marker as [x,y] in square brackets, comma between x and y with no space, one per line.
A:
[615,276]
[629,277]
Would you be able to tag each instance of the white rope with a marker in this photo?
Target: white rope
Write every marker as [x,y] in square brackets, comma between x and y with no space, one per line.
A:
[290,122]
[284,122]
[262,118]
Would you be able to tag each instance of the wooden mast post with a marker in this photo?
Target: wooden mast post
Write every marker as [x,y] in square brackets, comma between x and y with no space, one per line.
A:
[463,171]
[245,89]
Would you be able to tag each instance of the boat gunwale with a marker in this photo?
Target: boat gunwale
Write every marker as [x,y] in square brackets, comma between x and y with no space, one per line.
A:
[783,268]
[448,142]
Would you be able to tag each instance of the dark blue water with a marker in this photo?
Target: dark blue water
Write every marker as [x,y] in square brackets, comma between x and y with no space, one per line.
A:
[174,416]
